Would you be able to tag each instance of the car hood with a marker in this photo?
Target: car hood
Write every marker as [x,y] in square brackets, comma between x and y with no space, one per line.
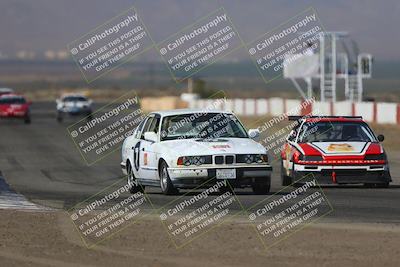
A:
[193,147]
[336,148]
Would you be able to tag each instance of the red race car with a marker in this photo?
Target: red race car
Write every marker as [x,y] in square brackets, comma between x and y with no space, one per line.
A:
[4,91]
[335,150]
[15,106]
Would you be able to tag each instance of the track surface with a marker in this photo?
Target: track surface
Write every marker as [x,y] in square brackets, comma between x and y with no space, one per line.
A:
[41,162]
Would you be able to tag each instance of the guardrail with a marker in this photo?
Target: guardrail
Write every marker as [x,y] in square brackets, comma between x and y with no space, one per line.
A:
[385,113]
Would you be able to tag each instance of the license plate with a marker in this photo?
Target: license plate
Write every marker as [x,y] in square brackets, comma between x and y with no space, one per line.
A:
[226,174]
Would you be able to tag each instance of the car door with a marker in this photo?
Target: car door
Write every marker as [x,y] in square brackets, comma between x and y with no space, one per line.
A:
[135,146]
[147,153]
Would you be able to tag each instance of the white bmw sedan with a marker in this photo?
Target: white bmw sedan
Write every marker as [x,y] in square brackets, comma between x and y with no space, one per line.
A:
[194,149]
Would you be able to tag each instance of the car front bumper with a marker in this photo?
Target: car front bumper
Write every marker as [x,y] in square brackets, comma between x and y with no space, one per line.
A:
[334,174]
[75,112]
[185,177]
[14,114]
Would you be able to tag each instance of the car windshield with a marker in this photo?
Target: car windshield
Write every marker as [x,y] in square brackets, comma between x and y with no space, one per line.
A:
[335,132]
[202,125]
[74,98]
[12,100]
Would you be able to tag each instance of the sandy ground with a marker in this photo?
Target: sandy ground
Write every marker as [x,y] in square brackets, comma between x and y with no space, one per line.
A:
[49,239]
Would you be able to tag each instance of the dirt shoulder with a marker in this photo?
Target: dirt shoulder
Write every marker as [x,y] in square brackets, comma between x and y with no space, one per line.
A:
[49,239]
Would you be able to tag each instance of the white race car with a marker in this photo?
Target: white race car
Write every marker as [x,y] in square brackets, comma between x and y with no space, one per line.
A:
[73,105]
[189,149]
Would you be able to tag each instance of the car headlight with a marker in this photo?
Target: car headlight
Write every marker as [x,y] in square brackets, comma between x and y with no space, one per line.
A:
[252,158]
[193,160]
[249,159]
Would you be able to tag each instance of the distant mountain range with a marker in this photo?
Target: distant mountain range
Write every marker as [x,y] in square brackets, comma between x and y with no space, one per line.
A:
[40,25]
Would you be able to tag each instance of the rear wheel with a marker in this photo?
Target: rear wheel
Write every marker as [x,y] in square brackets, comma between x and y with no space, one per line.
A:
[165,182]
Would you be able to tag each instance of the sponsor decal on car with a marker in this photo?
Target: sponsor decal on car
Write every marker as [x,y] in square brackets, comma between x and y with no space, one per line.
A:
[340,148]
[220,146]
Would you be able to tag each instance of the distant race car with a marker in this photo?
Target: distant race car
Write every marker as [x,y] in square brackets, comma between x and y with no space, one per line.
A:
[335,150]
[186,148]
[73,105]
[15,106]
[4,91]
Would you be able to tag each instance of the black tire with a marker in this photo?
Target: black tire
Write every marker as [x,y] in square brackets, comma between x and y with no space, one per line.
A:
[165,182]
[131,180]
[261,188]
[286,180]
[27,119]
[368,185]
[89,117]
[383,185]
[297,185]
[227,188]
[378,185]
[59,117]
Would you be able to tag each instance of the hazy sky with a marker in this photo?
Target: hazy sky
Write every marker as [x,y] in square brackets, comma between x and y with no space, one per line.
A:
[39,25]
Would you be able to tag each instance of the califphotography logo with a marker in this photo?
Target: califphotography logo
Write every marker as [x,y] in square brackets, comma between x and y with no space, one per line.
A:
[286,45]
[195,214]
[199,45]
[281,215]
[104,131]
[108,212]
[110,45]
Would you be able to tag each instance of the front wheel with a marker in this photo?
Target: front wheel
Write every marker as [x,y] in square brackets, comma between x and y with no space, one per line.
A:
[59,117]
[133,184]
[90,116]
[262,188]
[165,182]
[286,180]
[378,185]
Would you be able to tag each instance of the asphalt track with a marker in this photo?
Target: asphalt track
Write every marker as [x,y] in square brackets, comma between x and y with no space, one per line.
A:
[40,162]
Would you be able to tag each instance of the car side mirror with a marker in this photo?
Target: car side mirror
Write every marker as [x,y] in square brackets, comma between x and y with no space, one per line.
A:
[150,136]
[381,137]
[254,133]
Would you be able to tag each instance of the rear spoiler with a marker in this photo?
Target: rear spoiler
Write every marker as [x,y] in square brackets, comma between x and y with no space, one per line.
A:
[297,118]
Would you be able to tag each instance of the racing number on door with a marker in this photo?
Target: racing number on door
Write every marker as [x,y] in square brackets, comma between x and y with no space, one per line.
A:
[136,156]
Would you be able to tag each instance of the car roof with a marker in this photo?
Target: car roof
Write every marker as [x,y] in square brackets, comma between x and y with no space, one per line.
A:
[314,118]
[6,90]
[175,112]
[11,95]
[339,119]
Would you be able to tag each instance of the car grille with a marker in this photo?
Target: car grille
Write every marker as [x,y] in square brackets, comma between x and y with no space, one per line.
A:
[224,159]
[344,173]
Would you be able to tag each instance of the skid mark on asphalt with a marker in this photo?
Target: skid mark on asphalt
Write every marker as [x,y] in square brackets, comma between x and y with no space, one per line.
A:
[9,199]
